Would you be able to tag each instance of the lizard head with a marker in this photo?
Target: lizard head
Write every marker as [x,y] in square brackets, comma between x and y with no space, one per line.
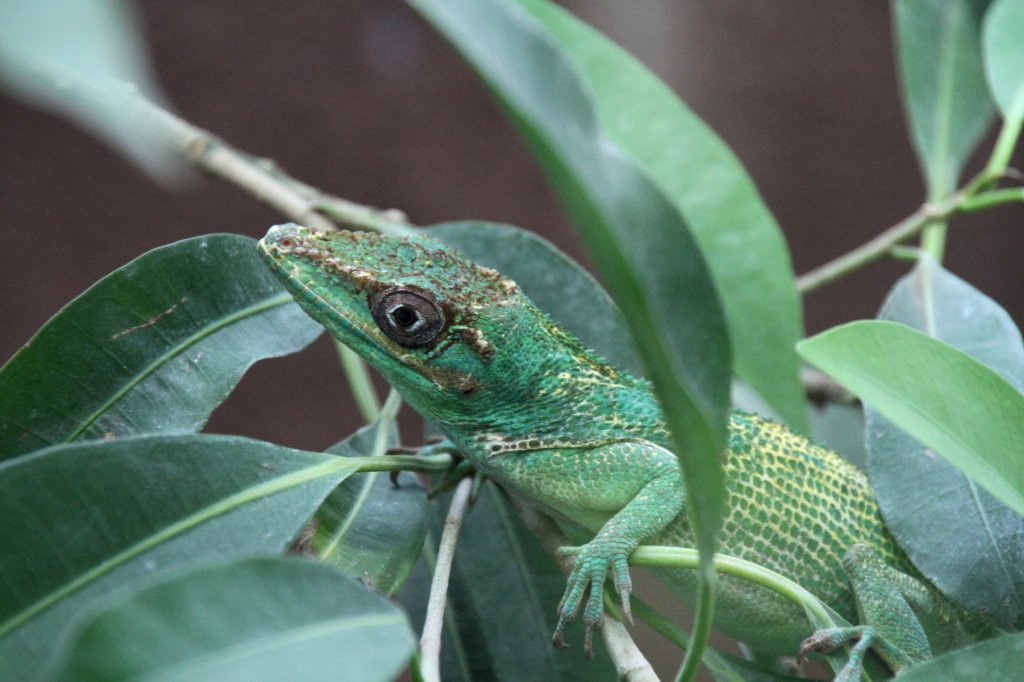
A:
[432,322]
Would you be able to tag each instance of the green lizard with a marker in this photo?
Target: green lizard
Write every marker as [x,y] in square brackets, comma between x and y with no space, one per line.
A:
[535,411]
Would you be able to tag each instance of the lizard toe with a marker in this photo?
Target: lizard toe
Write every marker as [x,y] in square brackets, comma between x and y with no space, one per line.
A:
[623,585]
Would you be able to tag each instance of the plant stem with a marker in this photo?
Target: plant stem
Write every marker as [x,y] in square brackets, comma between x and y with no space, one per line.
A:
[678,557]
[1003,149]
[359,382]
[701,626]
[876,248]
[995,197]
[430,641]
[261,178]
[426,464]
[972,197]
[933,240]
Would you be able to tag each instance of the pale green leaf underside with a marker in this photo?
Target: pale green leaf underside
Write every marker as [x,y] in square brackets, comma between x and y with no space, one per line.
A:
[255,620]
[947,104]
[950,402]
[1003,42]
[92,42]
[942,518]
[81,520]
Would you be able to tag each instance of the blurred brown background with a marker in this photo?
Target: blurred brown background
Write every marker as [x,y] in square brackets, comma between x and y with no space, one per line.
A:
[362,99]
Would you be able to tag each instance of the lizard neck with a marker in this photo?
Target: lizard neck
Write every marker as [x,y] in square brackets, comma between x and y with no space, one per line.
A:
[548,386]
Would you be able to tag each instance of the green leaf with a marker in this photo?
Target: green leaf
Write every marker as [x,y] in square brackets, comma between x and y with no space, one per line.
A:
[256,619]
[501,603]
[1003,42]
[994,660]
[640,244]
[737,234]
[44,44]
[956,406]
[552,280]
[154,346]
[368,527]
[947,104]
[963,539]
[78,521]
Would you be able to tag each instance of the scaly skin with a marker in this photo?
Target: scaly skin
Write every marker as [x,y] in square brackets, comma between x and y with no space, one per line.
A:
[535,411]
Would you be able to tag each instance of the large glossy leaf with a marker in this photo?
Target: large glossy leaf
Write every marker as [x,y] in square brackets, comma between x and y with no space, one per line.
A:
[642,247]
[952,403]
[501,605]
[947,104]
[995,660]
[552,280]
[736,232]
[153,347]
[961,537]
[80,520]
[47,45]
[369,527]
[1004,56]
[258,619]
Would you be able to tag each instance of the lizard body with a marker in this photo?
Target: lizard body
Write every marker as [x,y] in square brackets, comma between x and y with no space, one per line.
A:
[534,410]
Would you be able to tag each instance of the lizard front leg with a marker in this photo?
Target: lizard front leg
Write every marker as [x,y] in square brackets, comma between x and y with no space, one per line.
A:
[638,484]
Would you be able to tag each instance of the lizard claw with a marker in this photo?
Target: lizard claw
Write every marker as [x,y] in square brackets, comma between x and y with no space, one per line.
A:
[829,639]
[590,570]
[623,585]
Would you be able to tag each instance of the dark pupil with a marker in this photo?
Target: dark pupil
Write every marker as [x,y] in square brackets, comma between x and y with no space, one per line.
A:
[410,319]
[404,316]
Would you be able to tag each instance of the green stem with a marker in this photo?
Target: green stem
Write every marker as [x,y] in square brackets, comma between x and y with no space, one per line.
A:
[427,464]
[1003,150]
[701,626]
[391,222]
[678,557]
[972,197]
[906,253]
[657,622]
[872,250]
[359,381]
[933,240]
[996,197]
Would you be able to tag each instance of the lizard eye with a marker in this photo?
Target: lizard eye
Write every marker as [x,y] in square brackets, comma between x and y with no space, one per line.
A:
[410,318]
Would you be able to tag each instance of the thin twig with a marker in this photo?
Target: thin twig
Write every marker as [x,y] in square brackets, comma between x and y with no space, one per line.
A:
[261,178]
[869,251]
[430,642]
[630,663]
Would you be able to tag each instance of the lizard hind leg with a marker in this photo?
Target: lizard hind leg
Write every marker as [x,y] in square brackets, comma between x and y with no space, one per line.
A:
[888,624]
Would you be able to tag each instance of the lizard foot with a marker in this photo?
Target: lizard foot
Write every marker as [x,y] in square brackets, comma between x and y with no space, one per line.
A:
[828,640]
[451,478]
[434,446]
[593,562]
